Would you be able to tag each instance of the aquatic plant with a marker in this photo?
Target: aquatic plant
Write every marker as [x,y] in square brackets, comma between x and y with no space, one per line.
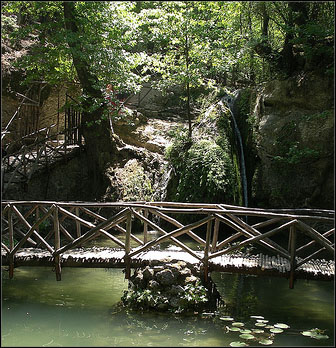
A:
[262,336]
[315,333]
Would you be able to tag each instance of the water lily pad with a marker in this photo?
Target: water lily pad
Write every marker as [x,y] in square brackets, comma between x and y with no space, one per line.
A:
[266,342]
[320,337]
[307,333]
[281,326]
[276,330]
[238,324]
[226,318]
[262,321]
[257,317]
[269,327]
[315,333]
[258,331]
[238,344]
[260,324]
[245,331]
[246,336]
[234,329]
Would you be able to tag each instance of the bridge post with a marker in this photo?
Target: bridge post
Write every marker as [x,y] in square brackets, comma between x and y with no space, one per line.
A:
[145,235]
[128,245]
[78,225]
[206,251]
[57,244]
[292,250]
[11,242]
[215,236]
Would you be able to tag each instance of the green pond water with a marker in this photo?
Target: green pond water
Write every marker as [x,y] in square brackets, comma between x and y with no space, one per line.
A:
[81,310]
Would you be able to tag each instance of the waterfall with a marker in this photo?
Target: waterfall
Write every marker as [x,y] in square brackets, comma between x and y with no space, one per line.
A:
[229,101]
[164,183]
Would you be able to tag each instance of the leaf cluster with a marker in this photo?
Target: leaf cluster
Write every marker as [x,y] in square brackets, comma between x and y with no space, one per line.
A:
[203,165]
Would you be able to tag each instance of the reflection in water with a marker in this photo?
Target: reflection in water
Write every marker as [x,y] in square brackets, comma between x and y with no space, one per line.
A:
[82,310]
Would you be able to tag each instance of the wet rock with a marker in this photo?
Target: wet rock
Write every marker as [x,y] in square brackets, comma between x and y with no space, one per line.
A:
[148,273]
[153,285]
[176,290]
[191,279]
[175,302]
[165,277]
[139,280]
[185,272]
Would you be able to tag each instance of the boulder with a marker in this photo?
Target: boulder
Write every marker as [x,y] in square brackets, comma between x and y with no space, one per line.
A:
[153,285]
[148,273]
[165,277]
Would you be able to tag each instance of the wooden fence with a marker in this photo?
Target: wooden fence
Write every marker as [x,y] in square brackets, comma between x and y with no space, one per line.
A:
[72,121]
[217,229]
[39,152]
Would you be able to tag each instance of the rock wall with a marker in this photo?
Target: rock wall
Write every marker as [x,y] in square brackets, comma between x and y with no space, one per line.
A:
[293,135]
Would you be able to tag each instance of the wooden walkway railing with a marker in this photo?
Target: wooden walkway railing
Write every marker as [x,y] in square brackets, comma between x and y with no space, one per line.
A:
[41,152]
[219,229]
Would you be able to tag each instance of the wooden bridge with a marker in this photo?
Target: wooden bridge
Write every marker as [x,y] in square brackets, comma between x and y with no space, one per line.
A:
[67,234]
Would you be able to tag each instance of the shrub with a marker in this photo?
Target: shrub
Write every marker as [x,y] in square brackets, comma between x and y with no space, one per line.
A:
[204,170]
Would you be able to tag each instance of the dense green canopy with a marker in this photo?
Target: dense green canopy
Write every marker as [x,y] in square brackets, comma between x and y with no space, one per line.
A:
[188,42]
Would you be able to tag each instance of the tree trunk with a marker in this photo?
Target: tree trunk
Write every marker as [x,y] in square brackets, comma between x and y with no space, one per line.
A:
[188,83]
[100,146]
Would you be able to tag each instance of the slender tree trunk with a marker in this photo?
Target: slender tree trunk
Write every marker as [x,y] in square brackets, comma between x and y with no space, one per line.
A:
[188,83]
[100,146]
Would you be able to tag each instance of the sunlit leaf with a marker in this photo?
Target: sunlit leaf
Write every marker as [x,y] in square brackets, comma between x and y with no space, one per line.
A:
[234,329]
[258,331]
[320,337]
[275,330]
[238,344]
[281,326]
[266,342]
[260,324]
[257,317]
[226,318]
[246,336]
[238,324]
[315,333]
[245,331]
[307,333]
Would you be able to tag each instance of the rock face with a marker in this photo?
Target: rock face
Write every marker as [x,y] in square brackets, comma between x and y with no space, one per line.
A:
[293,137]
[63,180]
[174,287]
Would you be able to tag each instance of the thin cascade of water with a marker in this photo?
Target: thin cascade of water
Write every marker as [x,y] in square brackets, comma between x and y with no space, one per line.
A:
[229,101]
[164,183]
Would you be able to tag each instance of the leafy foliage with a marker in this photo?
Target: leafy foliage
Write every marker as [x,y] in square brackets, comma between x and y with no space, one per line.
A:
[203,165]
[191,298]
[172,43]
[134,182]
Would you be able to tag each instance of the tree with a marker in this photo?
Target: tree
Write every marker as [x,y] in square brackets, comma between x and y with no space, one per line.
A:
[305,36]
[72,41]
[95,128]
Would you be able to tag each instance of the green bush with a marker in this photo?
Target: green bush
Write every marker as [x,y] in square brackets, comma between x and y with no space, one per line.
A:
[204,170]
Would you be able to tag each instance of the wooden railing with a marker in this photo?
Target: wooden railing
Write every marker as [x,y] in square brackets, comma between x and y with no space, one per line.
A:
[219,229]
[43,148]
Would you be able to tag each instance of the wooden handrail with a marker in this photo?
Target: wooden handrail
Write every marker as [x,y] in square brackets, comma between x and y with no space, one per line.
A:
[213,245]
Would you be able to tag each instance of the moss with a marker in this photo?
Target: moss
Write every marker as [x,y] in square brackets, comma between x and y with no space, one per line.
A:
[203,164]
[134,182]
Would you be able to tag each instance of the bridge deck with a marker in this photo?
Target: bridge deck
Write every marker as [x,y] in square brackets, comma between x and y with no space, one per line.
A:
[98,257]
